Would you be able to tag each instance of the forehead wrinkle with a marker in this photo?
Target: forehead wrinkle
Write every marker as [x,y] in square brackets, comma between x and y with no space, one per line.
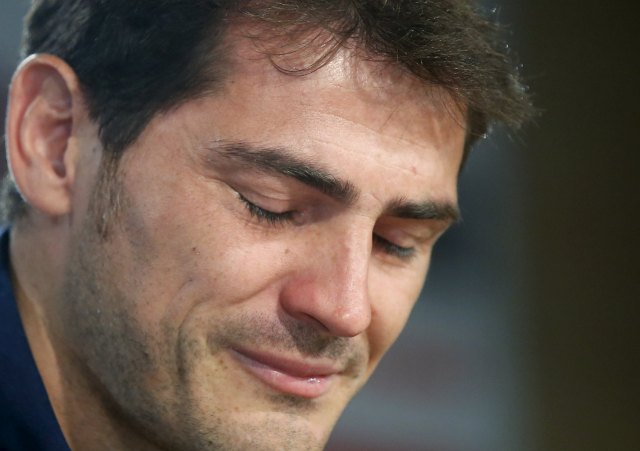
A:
[435,129]
[373,152]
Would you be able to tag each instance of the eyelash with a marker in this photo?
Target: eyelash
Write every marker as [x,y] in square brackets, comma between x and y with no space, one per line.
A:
[265,215]
[401,252]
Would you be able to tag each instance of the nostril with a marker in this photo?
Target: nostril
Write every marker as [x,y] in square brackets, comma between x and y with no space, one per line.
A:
[309,319]
[326,308]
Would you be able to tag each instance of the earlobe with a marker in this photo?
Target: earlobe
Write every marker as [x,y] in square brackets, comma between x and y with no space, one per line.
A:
[40,125]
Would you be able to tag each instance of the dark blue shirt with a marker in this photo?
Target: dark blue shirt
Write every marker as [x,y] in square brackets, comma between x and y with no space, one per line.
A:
[27,421]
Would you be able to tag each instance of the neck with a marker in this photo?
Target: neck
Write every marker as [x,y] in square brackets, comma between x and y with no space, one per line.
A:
[83,417]
[25,271]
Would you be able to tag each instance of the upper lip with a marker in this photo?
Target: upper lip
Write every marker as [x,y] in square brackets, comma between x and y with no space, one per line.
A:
[302,368]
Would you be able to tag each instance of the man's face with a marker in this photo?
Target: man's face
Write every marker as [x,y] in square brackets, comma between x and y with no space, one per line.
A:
[270,243]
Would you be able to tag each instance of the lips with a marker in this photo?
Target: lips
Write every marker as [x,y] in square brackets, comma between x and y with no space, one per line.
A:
[290,376]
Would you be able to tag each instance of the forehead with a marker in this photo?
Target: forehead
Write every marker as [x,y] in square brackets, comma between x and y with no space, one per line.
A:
[367,96]
[385,90]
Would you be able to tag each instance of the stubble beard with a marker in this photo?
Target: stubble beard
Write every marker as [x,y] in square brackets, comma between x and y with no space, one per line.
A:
[114,359]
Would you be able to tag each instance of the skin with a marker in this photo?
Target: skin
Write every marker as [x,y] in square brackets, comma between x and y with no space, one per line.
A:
[137,334]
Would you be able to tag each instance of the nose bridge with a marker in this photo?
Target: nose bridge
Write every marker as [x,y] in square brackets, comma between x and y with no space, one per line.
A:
[348,268]
[332,288]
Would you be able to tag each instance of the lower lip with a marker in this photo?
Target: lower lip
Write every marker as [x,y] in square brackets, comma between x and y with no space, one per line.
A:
[305,387]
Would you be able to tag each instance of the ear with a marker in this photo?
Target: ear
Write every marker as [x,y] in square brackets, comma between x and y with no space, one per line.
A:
[43,99]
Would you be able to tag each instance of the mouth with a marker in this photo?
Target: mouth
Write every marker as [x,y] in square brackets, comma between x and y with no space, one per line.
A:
[290,376]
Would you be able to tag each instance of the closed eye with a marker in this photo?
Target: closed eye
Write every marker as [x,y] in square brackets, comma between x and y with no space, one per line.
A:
[280,218]
[261,214]
[401,252]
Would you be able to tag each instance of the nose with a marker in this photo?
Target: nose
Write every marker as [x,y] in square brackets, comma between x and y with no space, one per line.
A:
[330,290]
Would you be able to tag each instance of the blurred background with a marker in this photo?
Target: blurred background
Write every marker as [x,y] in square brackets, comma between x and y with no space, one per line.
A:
[527,335]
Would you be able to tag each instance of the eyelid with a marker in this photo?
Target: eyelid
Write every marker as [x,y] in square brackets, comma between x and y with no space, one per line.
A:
[405,239]
[262,214]
[404,253]
[393,249]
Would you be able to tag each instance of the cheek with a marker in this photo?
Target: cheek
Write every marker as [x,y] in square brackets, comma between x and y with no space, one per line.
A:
[186,247]
[392,300]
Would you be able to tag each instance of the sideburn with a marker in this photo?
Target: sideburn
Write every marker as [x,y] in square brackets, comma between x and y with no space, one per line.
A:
[107,199]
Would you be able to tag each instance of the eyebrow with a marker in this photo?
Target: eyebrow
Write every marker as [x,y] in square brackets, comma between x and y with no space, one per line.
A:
[440,211]
[283,161]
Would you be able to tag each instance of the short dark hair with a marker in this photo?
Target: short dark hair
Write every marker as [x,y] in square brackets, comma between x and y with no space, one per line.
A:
[135,59]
